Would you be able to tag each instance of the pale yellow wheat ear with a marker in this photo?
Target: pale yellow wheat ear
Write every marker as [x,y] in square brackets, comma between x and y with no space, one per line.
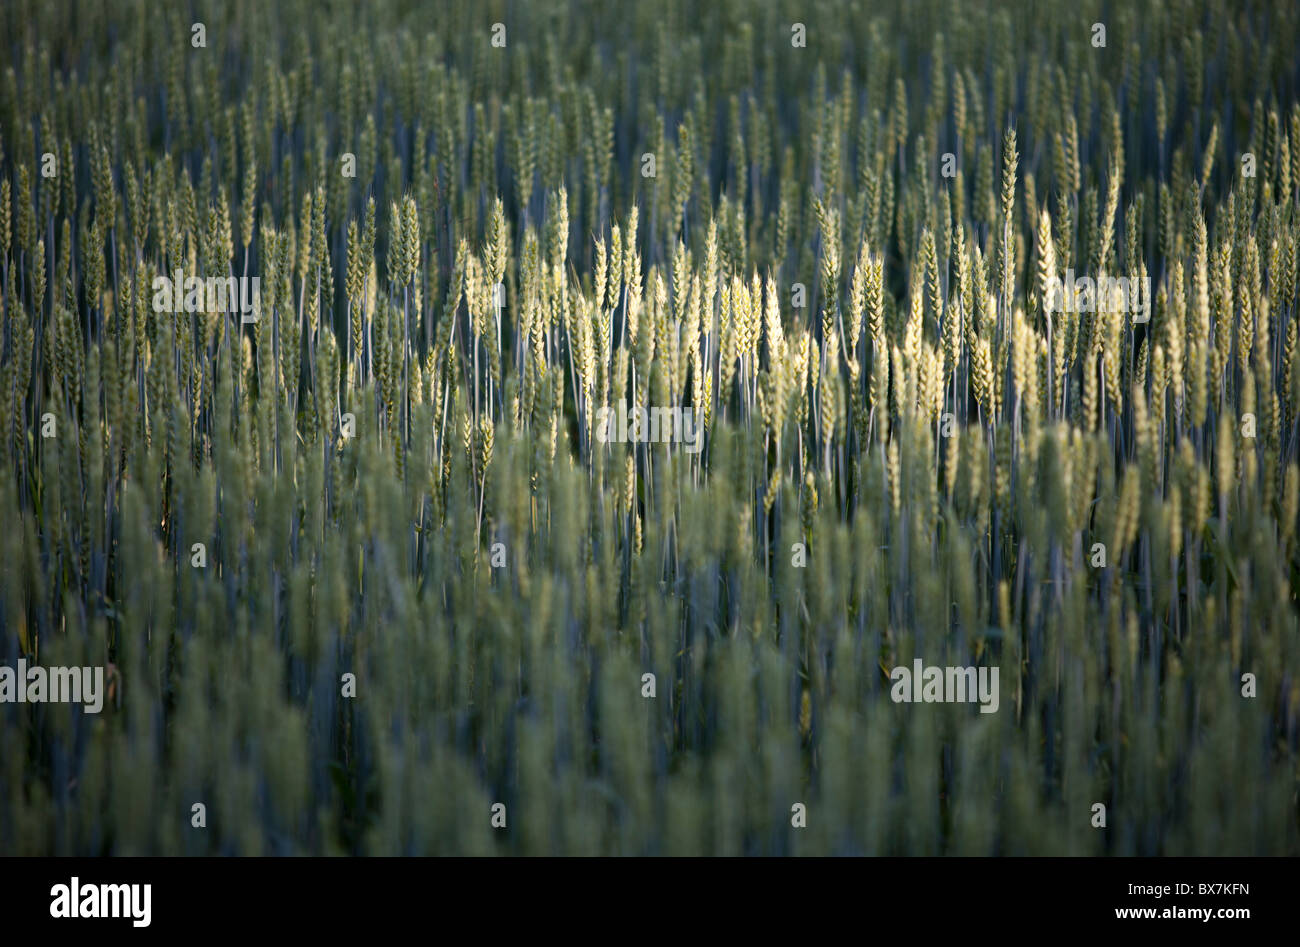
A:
[601,275]
[858,297]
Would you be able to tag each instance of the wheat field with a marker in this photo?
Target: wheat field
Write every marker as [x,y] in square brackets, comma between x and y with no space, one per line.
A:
[367,572]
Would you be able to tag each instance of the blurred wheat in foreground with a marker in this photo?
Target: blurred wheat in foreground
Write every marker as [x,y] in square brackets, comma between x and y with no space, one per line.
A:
[844,258]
